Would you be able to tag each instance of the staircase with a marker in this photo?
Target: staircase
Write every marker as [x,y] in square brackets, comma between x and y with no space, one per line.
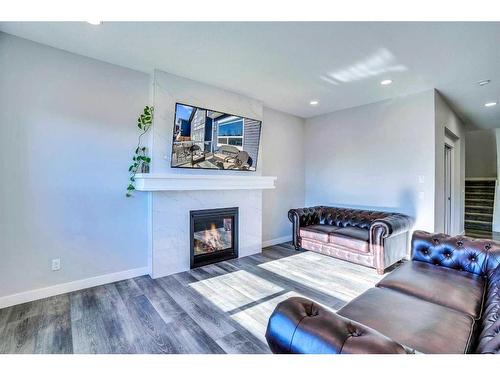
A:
[479,202]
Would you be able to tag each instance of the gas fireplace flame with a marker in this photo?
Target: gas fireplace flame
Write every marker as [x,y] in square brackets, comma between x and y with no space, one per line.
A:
[211,239]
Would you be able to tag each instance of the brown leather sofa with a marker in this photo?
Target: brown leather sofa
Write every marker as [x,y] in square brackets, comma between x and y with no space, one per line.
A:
[446,300]
[370,238]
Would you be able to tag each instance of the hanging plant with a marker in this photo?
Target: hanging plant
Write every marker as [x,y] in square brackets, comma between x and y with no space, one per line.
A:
[140,160]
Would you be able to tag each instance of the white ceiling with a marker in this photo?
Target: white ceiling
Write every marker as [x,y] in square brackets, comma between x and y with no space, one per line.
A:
[286,65]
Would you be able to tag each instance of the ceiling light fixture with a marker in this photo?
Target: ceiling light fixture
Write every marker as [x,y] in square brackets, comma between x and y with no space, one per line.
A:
[386,82]
[490,104]
[313,102]
[484,82]
[95,23]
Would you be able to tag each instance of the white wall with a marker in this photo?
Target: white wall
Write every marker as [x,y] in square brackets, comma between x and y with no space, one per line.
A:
[480,153]
[372,156]
[449,125]
[283,155]
[67,131]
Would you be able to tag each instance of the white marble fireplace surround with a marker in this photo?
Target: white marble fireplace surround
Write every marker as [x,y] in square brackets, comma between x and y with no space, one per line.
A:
[175,192]
[170,216]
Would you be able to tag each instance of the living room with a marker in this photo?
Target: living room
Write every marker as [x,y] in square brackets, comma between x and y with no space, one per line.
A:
[263,195]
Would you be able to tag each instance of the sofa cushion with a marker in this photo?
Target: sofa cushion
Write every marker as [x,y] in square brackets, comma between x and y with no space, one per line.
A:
[352,238]
[318,232]
[424,326]
[459,290]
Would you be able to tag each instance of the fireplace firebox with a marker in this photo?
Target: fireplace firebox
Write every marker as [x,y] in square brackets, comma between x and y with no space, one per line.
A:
[214,235]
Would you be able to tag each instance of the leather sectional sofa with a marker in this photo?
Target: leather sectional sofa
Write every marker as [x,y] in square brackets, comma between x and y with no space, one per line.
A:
[370,238]
[446,300]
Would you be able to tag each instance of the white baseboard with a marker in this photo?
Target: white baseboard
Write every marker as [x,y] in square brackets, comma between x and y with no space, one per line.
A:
[54,290]
[276,241]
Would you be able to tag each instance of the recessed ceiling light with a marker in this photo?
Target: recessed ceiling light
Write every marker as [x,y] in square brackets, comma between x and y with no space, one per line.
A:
[484,82]
[94,22]
[490,104]
[313,102]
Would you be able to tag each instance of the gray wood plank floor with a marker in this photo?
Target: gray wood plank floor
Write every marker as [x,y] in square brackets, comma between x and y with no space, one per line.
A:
[221,308]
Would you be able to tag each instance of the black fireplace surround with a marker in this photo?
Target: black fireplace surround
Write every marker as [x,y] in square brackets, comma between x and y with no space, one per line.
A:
[213,235]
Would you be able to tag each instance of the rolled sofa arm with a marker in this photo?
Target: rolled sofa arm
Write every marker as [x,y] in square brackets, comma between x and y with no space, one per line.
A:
[301,217]
[488,341]
[380,230]
[391,225]
[301,326]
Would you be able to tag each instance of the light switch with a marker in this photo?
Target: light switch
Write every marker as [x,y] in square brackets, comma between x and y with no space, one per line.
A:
[421,195]
[421,179]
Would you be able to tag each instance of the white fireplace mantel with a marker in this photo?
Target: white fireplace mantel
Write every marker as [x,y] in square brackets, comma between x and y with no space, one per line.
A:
[172,182]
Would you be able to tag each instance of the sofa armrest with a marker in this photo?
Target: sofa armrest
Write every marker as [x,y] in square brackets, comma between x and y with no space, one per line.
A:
[391,225]
[489,339]
[385,242]
[301,217]
[301,326]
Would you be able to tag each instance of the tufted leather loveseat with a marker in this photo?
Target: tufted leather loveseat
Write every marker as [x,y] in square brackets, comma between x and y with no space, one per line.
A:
[446,300]
[372,238]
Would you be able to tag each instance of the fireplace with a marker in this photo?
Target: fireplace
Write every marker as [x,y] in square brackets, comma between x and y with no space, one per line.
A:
[214,235]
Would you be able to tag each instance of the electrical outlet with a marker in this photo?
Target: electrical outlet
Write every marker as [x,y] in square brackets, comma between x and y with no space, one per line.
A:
[56,264]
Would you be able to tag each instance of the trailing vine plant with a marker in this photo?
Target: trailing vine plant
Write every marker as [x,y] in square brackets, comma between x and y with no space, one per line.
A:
[140,160]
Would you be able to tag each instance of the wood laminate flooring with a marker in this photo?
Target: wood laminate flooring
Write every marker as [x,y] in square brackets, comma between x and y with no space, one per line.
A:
[220,308]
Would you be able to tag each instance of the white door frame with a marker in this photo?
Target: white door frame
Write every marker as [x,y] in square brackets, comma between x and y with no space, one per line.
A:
[448,190]
[452,141]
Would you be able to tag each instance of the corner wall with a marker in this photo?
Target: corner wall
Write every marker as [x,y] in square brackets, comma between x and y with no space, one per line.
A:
[379,156]
[283,152]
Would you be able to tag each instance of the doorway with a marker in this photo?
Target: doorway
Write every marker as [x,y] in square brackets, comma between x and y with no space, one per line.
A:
[448,188]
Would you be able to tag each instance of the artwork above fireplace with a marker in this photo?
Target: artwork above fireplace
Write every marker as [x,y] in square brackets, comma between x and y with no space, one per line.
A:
[207,139]
[213,235]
